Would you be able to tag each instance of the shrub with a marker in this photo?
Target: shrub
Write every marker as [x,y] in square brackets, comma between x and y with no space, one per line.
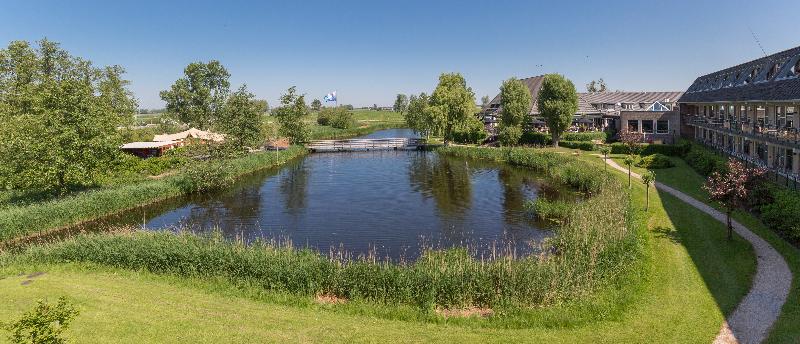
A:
[783,213]
[206,176]
[337,117]
[473,132]
[582,145]
[586,136]
[535,138]
[679,149]
[654,161]
[44,324]
[704,161]
[509,135]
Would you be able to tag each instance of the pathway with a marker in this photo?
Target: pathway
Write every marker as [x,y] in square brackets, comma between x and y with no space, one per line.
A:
[753,317]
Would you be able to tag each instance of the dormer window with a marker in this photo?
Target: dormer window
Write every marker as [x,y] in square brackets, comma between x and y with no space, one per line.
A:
[773,71]
[796,68]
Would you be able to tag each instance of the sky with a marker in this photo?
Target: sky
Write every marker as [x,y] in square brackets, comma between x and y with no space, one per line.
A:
[369,51]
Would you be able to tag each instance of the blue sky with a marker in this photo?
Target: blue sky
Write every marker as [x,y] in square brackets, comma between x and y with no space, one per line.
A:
[369,51]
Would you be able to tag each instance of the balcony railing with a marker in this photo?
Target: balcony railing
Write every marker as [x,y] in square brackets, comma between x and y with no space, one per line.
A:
[769,133]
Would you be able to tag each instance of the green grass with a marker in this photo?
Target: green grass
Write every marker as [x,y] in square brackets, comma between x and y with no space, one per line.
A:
[367,121]
[691,278]
[685,179]
[37,218]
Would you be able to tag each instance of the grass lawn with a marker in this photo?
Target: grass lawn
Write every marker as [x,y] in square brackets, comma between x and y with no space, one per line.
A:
[685,179]
[693,277]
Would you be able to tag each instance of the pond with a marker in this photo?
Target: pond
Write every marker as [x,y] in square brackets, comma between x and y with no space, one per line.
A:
[388,203]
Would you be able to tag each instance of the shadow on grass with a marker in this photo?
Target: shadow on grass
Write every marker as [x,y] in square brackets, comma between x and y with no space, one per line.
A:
[726,267]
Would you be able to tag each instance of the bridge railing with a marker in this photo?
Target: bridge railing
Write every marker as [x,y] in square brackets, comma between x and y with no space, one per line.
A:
[363,144]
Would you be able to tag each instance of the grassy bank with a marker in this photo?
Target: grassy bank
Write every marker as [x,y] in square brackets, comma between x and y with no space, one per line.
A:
[688,283]
[21,221]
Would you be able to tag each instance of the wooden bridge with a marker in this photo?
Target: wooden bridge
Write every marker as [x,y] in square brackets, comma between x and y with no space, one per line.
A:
[365,144]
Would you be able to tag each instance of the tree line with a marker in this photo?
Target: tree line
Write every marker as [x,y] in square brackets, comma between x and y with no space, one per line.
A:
[451,108]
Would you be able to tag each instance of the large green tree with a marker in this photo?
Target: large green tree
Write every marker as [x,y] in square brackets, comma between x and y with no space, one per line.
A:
[422,117]
[59,116]
[515,102]
[452,102]
[400,103]
[199,97]
[241,120]
[558,102]
[290,116]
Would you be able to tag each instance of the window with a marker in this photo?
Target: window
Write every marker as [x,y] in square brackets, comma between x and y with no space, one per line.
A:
[662,127]
[647,127]
[633,125]
[772,72]
[796,68]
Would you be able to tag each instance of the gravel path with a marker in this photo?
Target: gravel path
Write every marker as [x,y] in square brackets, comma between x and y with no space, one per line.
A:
[753,317]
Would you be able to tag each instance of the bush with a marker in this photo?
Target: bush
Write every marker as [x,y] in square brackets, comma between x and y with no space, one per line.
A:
[654,161]
[585,137]
[206,176]
[704,161]
[582,145]
[337,117]
[509,136]
[535,138]
[783,213]
[44,324]
[473,132]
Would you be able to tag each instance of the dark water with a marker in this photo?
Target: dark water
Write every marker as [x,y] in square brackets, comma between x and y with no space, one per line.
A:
[391,203]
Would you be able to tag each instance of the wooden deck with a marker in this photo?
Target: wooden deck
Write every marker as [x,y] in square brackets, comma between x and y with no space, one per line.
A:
[365,144]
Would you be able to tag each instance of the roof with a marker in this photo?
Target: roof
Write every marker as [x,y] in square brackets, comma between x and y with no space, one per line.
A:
[772,78]
[193,133]
[585,100]
[146,145]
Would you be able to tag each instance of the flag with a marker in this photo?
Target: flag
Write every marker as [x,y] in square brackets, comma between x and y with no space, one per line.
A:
[330,97]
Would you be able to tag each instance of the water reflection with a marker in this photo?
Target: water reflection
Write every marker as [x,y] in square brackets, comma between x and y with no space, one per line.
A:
[392,202]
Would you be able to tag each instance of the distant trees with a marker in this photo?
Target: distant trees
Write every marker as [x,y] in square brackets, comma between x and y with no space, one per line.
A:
[316,105]
[261,105]
[59,115]
[290,116]
[338,117]
[484,101]
[198,98]
[400,103]
[731,188]
[515,101]
[558,102]
[241,119]
[596,86]
[452,102]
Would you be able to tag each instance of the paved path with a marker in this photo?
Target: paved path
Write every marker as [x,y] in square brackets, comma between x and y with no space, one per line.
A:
[753,317]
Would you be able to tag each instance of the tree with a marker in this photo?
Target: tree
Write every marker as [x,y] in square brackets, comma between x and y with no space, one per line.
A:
[648,178]
[605,150]
[633,140]
[452,102]
[596,86]
[241,119]
[558,102]
[316,105]
[731,188]
[59,116]
[400,103]
[629,161]
[290,116]
[419,117]
[199,97]
[485,101]
[515,101]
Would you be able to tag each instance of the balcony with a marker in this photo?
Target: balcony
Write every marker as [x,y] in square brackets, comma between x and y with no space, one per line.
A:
[783,136]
